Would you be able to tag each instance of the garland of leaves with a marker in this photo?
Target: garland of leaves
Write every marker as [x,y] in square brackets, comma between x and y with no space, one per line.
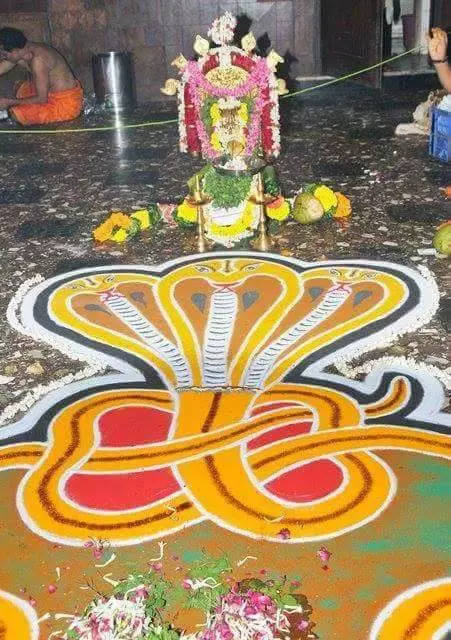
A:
[226,190]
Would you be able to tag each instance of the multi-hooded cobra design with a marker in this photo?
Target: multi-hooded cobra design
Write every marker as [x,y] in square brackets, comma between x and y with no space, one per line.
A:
[229,421]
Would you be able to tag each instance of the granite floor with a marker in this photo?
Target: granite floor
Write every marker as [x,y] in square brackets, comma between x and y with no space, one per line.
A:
[56,188]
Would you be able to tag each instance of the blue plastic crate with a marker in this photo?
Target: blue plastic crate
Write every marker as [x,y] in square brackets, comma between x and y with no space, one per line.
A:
[440,139]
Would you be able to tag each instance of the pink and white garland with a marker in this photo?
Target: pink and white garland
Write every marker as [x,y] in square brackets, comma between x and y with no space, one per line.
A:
[259,77]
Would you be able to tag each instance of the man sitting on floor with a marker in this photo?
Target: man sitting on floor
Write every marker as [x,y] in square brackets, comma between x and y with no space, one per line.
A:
[52,95]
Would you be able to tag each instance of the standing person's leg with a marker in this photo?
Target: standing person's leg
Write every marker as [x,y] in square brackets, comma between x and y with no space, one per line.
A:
[386,39]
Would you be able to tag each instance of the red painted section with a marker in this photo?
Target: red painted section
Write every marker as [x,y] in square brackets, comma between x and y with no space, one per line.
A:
[280,433]
[140,425]
[312,481]
[131,426]
[126,427]
[116,492]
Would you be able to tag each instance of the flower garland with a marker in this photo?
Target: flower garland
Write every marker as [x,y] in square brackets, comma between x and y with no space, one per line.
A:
[196,82]
[257,78]
[41,390]
[238,228]
[120,227]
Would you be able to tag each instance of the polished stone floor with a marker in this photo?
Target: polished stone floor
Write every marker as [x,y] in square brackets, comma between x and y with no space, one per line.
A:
[56,188]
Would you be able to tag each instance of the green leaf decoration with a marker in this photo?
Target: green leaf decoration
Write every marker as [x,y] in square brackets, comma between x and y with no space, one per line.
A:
[154,214]
[270,181]
[210,568]
[159,590]
[134,229]
[311,187]
[192,181]
[226,190]
[162,633]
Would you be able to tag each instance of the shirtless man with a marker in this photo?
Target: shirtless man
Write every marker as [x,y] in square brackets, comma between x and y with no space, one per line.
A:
[52,95]
[438,50]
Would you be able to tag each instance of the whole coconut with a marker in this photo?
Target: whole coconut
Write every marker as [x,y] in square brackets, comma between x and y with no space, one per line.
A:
[307,208]
[442,239]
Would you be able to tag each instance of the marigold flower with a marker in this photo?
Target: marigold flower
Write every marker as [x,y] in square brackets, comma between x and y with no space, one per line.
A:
[187,212]
[326,196]
[344,206]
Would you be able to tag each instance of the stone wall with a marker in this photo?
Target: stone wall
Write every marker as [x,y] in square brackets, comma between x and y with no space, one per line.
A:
[156,31]
[79,29]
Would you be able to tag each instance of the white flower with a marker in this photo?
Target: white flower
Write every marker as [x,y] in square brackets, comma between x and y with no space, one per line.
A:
[223,28]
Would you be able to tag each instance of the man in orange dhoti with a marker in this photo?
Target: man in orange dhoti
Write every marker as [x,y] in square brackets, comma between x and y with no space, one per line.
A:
[52,95]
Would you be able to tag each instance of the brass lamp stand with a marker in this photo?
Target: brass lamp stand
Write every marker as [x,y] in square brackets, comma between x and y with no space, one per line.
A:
[262,242]
[199,199]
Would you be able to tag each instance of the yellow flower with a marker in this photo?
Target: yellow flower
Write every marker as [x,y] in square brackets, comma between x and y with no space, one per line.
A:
[119,219]
[279,212]
[215,113]
[143,218]
[215,143]
[103,231]
[326,196]
[187,212]
[119,236]
[344,206]
[115,223]
[243,113]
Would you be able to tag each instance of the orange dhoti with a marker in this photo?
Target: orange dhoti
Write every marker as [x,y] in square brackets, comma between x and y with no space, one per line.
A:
[61,106]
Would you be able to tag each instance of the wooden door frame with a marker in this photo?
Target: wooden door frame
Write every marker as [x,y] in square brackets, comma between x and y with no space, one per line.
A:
[436,12]
[322,47]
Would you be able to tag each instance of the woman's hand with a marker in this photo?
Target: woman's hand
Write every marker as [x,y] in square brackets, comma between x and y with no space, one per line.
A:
[438,44]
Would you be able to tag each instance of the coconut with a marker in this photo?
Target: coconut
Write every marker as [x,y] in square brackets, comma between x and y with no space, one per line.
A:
[442,239]
[307,208]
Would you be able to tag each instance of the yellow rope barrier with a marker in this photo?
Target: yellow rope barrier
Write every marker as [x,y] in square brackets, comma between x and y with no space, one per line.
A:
[351,75]
[156,123]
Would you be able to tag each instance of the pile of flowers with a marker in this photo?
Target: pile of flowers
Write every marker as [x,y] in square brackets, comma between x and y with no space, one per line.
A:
[316,201]
[142,604]
[120,227]
[114,617]
[249,615]
[334,203]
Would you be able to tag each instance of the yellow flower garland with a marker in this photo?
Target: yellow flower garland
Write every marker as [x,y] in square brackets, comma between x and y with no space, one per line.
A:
[187,212]
[239,226]
[115,223]
[215,113]
[118,225]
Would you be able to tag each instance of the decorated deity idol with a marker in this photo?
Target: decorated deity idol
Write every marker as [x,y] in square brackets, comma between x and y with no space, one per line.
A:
[228,101]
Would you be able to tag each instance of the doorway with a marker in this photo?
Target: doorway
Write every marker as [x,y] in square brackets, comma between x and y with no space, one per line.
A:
[356,35]
[408,27]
